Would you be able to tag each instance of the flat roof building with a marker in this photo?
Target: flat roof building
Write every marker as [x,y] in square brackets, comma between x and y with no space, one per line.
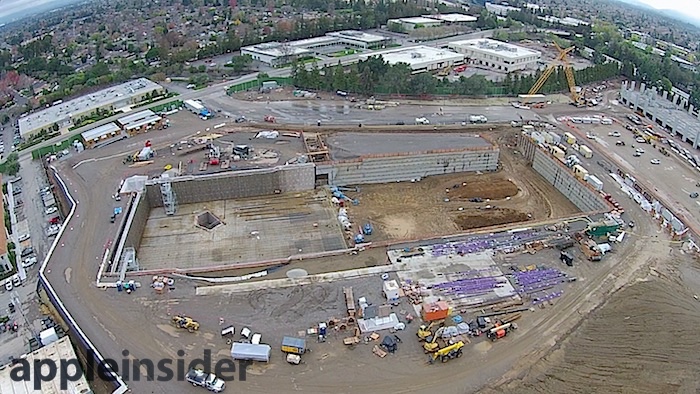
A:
[496,54]
[360,39]
[500,10]
[276,54]
[415,22]
[419,58]
[69,113]
[453,19]
[135,123]
[101,134]
[60,350]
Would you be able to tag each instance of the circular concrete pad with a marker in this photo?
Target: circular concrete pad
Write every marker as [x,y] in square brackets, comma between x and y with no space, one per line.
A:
[297,273]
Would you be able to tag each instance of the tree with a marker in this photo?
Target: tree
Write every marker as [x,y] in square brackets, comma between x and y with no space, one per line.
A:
[240,63]
[11,165]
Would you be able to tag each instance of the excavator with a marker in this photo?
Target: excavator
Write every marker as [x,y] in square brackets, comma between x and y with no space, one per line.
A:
[425,332]
[447,353]
[431,343]
[181,321]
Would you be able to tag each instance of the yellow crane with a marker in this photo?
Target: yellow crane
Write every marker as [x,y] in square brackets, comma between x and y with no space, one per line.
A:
[562,58]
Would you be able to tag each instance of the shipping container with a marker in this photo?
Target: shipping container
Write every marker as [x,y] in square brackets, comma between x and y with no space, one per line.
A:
[580,172]
[556,138]
[570,139]
[432,311]
[293,345]
[585,151]
[595,182]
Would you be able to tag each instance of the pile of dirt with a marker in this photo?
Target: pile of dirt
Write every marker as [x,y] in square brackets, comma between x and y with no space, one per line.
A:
[644,340]
[491,189]
[490,217]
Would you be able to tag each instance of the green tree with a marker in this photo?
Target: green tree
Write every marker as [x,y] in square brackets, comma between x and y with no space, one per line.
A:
[11,165]
[240,63]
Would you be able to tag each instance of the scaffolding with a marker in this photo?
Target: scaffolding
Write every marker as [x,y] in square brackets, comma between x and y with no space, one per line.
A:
[128,262]
[168,195]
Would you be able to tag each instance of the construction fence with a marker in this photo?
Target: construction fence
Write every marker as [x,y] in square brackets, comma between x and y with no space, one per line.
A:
[256,84]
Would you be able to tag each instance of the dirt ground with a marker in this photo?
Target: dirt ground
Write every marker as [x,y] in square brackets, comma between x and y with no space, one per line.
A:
[416,210]
[645,333]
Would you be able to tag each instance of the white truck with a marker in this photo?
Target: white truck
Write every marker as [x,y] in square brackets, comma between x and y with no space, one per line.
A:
[209,381]
[477,119]
[422,120]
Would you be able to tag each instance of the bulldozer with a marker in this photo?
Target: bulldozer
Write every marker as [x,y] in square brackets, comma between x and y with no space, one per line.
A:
[447,353]
[181,321]
[425,332]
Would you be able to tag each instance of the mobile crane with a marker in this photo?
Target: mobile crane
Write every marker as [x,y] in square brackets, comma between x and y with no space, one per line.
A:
[562,58]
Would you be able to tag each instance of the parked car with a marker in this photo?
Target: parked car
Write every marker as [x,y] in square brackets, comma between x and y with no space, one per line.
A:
[27,251]
[694,195]
[655,161]
[51,210]
[28,262]
[23,237]
[8,285]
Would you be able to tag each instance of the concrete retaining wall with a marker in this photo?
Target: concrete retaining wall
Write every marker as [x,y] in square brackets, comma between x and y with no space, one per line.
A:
[561,177]
[138,222]
[239,184]
[407,167]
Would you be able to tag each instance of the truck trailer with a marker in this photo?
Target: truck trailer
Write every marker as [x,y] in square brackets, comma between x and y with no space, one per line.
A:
[249,351]
[197,108]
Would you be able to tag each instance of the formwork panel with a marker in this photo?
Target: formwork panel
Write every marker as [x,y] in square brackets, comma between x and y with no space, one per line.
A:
[405,167]
[238,184]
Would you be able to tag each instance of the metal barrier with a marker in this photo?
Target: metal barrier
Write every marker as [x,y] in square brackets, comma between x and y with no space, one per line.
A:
[119,385]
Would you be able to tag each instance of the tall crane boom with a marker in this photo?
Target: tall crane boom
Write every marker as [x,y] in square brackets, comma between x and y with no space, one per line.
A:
[562,58]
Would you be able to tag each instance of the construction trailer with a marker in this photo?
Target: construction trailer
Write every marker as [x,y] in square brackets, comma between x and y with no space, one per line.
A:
[293,345]
[435,311]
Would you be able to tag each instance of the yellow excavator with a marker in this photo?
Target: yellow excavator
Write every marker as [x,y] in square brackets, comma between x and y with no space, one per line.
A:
[431,343]
[447,353]
[425,332]
[187,323]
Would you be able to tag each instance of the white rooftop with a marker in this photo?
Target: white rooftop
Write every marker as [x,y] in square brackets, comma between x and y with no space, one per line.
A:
[416,55]
[131,118]
[452,18]
[418,20]
[357,35]
[313,41]
[102,98]
[277,49]
[142,122]
[98,132]
[56,351]
[500,48]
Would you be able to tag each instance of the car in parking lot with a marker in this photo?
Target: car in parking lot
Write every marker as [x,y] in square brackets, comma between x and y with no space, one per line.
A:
[51,210]
[8,285]
[27,251]
[23,237]
[641,140]
[614,133]
[655,161]
[694,195]
[640,150]
[29,261]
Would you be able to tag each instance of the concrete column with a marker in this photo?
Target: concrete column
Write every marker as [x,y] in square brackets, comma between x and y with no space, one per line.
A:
[634,84]
[691,109]
[642,88]
[665,95]
[685,103]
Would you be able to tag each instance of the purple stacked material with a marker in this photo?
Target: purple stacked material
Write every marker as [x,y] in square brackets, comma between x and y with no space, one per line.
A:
[548,297]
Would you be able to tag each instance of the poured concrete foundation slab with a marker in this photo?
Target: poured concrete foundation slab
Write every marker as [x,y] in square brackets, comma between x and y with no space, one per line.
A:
[250,229]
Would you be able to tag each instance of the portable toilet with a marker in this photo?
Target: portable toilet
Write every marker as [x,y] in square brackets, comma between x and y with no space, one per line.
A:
[391,290]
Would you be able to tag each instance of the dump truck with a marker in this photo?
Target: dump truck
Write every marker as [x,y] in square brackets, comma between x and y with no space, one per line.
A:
[293,345]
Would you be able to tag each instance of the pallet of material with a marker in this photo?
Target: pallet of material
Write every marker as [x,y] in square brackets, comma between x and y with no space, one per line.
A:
[225,164]
[203,166]
[349,301]
[292,134]
[378,351]
[351,341]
